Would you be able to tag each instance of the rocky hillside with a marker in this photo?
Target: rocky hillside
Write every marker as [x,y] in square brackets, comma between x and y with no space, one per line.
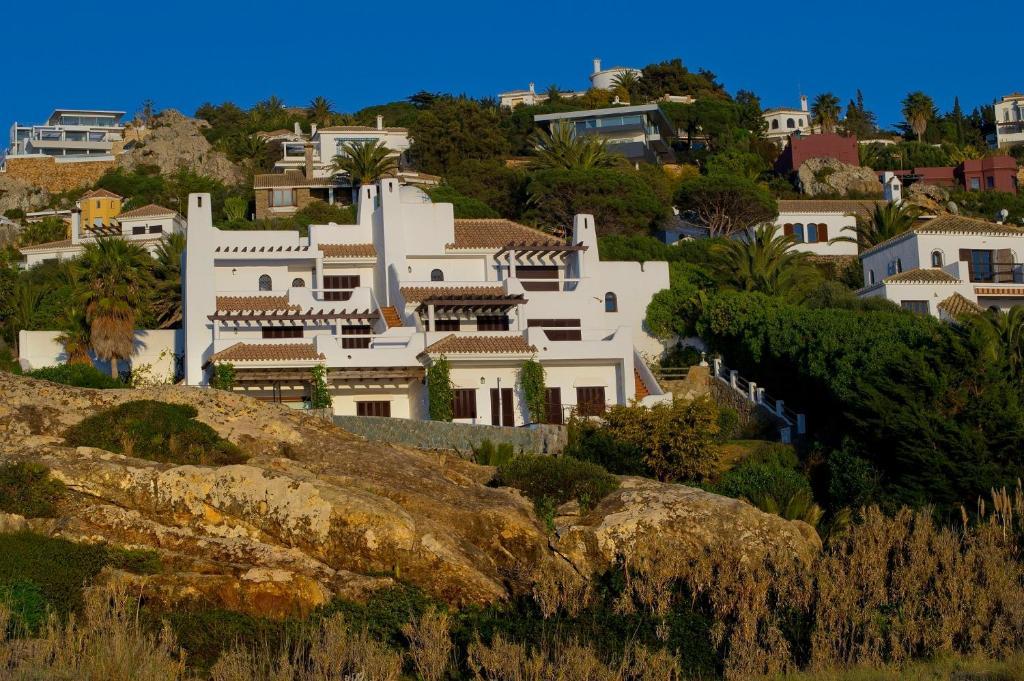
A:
[828,176]
[317,511]
[176,141]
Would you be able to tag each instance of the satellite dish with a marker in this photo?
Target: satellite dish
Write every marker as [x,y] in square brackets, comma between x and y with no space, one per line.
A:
[953,208]
[1003,215]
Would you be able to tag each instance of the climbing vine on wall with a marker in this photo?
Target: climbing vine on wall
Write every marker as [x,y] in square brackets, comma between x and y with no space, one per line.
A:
[439,390]
[319,397]
[531,378]
[223,377]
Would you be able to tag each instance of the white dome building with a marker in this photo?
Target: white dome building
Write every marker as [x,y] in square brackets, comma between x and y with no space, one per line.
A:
[605,79]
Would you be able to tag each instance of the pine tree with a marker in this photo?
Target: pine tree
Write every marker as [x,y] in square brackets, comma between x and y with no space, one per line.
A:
[958,121]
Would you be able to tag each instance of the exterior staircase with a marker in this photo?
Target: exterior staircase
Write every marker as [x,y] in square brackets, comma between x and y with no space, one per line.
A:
[391,316]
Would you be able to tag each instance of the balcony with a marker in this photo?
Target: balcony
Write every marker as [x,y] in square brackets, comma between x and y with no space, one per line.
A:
[998,273]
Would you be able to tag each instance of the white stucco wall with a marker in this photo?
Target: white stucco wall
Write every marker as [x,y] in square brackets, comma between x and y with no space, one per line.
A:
[156,348]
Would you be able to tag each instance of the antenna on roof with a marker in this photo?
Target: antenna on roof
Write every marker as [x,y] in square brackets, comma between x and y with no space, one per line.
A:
[1002,216]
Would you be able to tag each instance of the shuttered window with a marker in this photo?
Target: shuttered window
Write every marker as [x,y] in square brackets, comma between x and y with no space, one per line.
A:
[373,408]
[282,331]
[340,281]
[590,401]
[559,329]
[355,336]
[538,272]
[447,325]
[553,398]
[492,322]
[915,306]
[464,403]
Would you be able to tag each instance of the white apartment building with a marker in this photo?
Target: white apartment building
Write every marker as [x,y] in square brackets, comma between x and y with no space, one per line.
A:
[145,226]
[947,266]
[328,142]
[783,122]
[377,302]
[69,133]
[814,223]
[1009,119]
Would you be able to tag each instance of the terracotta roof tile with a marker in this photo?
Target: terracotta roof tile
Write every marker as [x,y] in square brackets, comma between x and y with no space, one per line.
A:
[998,290]
[348,250]
[246,303]
[929,275]
[291,178]
[100,194]
[455,344]
[495,233]
[951,224]
[844,206]
[359,128]
[148,211]
[63,243]
[416,294]
[956,305]
[267,352]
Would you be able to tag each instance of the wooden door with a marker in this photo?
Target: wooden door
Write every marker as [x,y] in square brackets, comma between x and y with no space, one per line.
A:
[553,397]
[508,415]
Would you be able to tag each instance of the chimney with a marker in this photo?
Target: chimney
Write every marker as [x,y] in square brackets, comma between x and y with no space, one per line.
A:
[76,225]
[533,88]
[298,128]
[803,102]
[380,122]
[597,64]
[307,154]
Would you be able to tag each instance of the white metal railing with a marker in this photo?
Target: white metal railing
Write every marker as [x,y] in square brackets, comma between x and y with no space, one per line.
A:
[791,421]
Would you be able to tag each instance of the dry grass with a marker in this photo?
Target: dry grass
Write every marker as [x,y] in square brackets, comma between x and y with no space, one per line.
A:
[946,669]
[430,644]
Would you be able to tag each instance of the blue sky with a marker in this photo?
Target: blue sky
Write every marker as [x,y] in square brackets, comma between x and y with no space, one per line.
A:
[181,53]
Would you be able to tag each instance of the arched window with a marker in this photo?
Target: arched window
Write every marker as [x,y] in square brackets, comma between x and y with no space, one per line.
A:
[265,283]
[871,277]
[812,233]
[775,124]
[790,123]
[611,302]
[298,283]
[436,275]
[936,258]
[798,232]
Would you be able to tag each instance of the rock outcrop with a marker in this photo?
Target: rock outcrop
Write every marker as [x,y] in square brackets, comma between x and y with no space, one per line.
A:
[317,512]
[930,198]
[828,176]
[17,194]
[176,141]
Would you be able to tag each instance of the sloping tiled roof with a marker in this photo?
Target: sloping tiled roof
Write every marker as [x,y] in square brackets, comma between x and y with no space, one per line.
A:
[359,128]
[291,178]
[454,344]
[265,352]
[391,316]
[957,305]
[100,194]
[415,294]
[919,275]
[49,245]
[951,224]
[246,303]
[348,250]
[148,211]
[844,206]
[495,233]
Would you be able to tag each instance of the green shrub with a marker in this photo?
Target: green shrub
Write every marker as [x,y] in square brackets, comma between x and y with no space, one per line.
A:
[157,431]
[223,377]
[27,606]
[728,424]
[489,454]
[547,479]
[78,375]
[588,441]
[852,480]
[28,490]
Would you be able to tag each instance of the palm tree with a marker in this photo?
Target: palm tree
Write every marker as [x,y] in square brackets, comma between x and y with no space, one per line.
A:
[167,302]
[75,336]
[320,111]
[563,148]
[918,109]
[1006,331]
[27,297]
[825,111]
[887,221]
[553,93]
[117,280]
[627,83]
[765,262]
[365,162]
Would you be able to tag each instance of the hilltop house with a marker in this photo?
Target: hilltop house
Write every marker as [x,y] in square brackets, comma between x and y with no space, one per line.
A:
[1009,120]
[641,133]
[378,302]
[992,173]
[144,226]
[814,222]
[782,122]
[78,133]
[948,265]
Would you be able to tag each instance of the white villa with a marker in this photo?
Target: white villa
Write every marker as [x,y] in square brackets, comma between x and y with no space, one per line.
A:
[377,302]
[145,226]
[75,133]
[783,122]
[641,133]
[814,222]
[947,266]
[326,143]
[1009,120]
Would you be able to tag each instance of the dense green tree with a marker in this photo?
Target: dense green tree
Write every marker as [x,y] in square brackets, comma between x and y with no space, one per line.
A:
[45,230]
[463,206]
[859,122]
[453,130]
[672,78]
[749,107]
[726,204]
[825,112]
[118,280]
[621,202]
[492,182]
[918,110]
[736,163]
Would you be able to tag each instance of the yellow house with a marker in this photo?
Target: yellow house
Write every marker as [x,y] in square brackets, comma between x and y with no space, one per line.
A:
[99,209]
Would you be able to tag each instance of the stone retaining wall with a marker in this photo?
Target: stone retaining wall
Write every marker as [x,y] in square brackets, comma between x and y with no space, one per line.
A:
[46,172]
[542,439]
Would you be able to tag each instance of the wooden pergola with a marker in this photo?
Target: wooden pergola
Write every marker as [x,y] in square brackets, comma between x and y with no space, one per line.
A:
[530,249]
[293,315]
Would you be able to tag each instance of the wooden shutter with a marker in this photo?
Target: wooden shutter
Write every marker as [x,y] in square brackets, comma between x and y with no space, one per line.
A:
[538,272]
[373,408]
[590,401]
[507,407]
[787,229]
[553,396]
[1003,266]
[965,256]
[822,232]
[464,403]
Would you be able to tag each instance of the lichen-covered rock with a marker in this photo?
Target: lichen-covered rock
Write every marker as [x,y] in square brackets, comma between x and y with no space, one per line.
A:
[317,512]
[929,198]
[829,176]
[16,194]
[176,142]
